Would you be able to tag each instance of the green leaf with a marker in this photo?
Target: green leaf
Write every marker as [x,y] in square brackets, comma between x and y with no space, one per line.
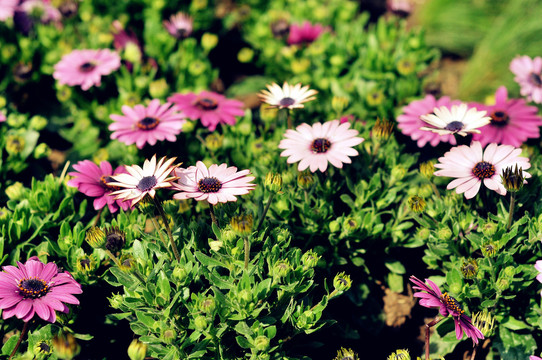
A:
[243,342]
[208,261]
[243,329]
[9,345]
[395,267]
[395,282]
[511,323]
[145,319]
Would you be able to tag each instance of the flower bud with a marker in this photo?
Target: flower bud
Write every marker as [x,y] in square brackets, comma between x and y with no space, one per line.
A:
[334,226]
[179,273]
[207,305]
[244,296]
[216,245]
[509,271]
[85,264]
[242,224]
[267,113]
[489,228]
[489,249]
[209,41]
[95,237]
[342,282]
[513,179]
[168,336]
[444,234]
[469,269]
[283,235]
[228,235]
[201,323]
[189,126]
[382,129]
[503,284]
[196,68]
[346,354]
[261,343]
[126,263]
[309,259]
[375,98]
[484,321]
[65,346]
[305,179]
[339,103]
[114,239]
[245,55]
[43,348]
[115,301]
[406,67]
[214,141]
[15,191]
[5,214]
[273,182]
[281,268]
[132,52]
[15,144]
[300,66]
[42,150]
[159,88]
[401,354]
[427,169]
[416,203]
[137,350]
[38,122]
[397,174]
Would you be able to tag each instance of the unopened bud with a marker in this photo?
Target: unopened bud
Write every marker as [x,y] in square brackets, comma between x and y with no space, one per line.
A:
[273,182]
[469,269]
[261,343]
[95,237]
[242,224]
[65,346]
[342,282]
[382,129]
[416,204]
[137,350]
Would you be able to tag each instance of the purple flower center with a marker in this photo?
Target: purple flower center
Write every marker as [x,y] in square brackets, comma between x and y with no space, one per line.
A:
[455,126]
[148,123]
[499,118]
[87,67]
[104,179]
[207,104]
[320,145]
[451,304]
[535,79]
[147,183]
[483,170]
[33,288]
[287,101]
[209,184]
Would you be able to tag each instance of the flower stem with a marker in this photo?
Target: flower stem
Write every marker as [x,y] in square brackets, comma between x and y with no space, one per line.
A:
[428,334]
[98,217]
[289,119]
[116,261]
[213,217]
[23,333]
[166,225]
[247,251]
[157,227]
[435,190]
[265,210]
[511,210]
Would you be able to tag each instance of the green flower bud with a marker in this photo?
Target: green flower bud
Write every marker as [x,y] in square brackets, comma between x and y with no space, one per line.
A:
[127,263]
[85,264]
[95,237]
[207,305]
[423,233]
[42,348]
[489,249]
[15,144]
[485,322]
[342,282]
[137,350]
[281,269]
[214,141]
[261,343]
[425,190]
[339,103]
[427,169]
[489,228]
[209,41]
[63,93]
[399,355]
[283,235]
[242,224]
[199,4]
[510,271]
[179,273]
[245,55]
[38,122]
[229,235]
[397,174]
[15,191]
[375,98]
[503,284]
[469,269]
[406,67]
[309,259]
[305,179]
[42,150]
[189,126]
[382,129]
[346,354]
[513,178]
[273,182]
[65,346]
[196,68]
[444,234]
[201,323]
[132,53]
[159,88]
[115,301]
[334,226]
[168,336]
[268,114]
[300,66]
[416,203]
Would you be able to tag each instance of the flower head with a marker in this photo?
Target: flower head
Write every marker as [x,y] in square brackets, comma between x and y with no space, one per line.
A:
[86,67]
[41,10]
[305,33]
[36,288]
[218,183]
[471,166]
[512,121]
[92,180]
[146,125]
[314,146]
[529,76]
[209,107]
[287,96]
[460,119]
[409,121]
[140,182]
[7,8]
[431,297]
[179,25]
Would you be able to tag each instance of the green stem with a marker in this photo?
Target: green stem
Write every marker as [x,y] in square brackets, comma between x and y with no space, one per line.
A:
[157,227]
[213,217]
[23,333]
[511,210]
[435,190]
[265,210]
[166,225]
[116,261]
[289,119]
[247,251]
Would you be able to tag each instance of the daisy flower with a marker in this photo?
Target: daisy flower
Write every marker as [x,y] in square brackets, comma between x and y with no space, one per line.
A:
[179,25]
[533,357]
[529,77]
[146,125]
[471,166]
[41,9]
[2,117]
[287,96]
[305,33]
[140,182]
[36,288]
[457,120]
[512,121]
[432,297]
[314,146]
[86,67]
[218,183]
[538,267]
[92,180]
[7,8]
[209,107]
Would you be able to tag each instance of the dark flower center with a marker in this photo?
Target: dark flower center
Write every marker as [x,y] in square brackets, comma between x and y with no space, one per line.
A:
[44,347]
[208,185]
[342,281]
[85,263]
[33,288]
[455,126]
[147,183]
[535,79]
[320,145]
[207,104]
[287,101]
[483,170]
[87,67]
[451,304]
[148,123]
[114,242]
[499,118]
[104,179]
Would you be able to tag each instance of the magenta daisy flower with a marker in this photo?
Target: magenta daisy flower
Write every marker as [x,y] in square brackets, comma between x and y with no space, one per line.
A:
[2,117]
[146,125]
[92,180]
[512,121]
[46,12]
[409,122]
[431,297]
[538,267]
[471,166]
[533,357]
[179,25]
[218,183]
[314,146]
[36,288]
[7,8]
[86,67]
[209,107]
[529,77]
[305,33]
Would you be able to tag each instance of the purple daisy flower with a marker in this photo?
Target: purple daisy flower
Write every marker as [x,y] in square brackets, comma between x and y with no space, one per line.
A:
[146,125]
[92,180]
[209,107]
[431,297]
[305,33]
[7,9]
[179,25]
[529,77]
[36,288]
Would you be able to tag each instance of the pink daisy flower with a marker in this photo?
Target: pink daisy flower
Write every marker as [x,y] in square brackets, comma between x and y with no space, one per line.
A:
[432,297]
[460,119]
[42,9]
[92,180]
[2,117]
[538,267]
[36,288]
[209,107]
[512,121]
[218,183]
[86,67]
[409,122]
[179,25]
[314,146]
[529,77]
[472,166]
[305,33]
[142,125]
[533,357]
[7,8]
